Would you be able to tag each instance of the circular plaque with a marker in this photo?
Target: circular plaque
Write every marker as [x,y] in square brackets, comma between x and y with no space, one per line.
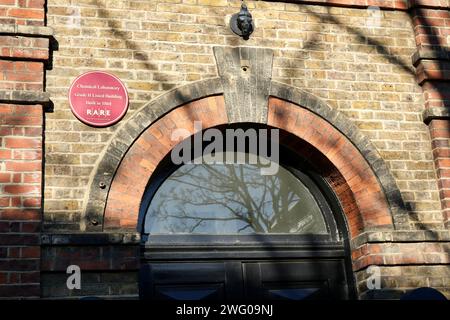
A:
[98,98]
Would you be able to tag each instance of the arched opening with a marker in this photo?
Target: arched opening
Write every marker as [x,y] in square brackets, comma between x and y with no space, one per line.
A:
[221,227]
[358,175]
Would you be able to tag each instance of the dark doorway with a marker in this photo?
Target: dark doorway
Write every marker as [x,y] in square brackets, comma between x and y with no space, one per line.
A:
[224,231]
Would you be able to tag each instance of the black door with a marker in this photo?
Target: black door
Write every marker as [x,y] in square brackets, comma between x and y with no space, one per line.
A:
[245,280]
[295,280]
[192,281]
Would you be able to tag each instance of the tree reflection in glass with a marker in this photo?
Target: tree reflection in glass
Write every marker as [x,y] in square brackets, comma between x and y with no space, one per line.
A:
[223,198]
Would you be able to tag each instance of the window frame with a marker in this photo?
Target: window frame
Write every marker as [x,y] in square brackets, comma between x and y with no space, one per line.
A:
[299,168]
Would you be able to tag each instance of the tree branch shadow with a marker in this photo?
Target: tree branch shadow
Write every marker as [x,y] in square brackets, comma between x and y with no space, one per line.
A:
[138,53]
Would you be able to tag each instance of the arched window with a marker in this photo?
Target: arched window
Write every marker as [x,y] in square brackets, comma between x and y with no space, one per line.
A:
[228,198]
[228,229]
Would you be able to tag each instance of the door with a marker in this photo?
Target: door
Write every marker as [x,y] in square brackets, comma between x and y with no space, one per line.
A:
[227,232]
[244,280]
[295,280]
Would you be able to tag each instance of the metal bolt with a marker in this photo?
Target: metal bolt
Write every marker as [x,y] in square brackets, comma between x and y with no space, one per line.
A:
[102,185]
[94,222]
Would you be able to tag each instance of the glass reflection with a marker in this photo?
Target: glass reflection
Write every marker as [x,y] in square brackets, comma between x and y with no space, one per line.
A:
[233,199]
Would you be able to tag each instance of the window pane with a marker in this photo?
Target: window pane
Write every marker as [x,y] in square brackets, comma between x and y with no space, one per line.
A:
[221,199]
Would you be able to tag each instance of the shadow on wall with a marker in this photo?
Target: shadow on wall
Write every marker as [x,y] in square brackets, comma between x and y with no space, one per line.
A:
[433,38]
[312,43]
[138,53]
[363,39]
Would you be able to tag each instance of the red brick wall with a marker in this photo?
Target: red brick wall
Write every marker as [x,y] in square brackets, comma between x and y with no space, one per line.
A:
[20,198]
[108,262]
[440,135]
[22,12]
[24,51]
[431,23]
[22,75]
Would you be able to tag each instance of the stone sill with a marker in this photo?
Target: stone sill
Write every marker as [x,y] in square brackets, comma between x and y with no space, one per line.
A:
[134,238]
[90,238]
[427,54]
[33,31]
[435,113]
[405,236]
[16,96]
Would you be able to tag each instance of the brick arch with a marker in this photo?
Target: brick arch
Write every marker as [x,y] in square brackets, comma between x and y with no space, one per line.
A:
[205,101]
[128,132]
[362,198]
[299,98]
[352,179]
[136,168]
[326,169]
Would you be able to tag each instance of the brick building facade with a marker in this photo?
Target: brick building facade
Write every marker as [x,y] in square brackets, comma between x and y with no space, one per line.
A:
[366,98]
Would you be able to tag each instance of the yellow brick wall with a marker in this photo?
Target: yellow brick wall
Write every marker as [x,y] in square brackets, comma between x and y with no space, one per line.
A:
[153,46]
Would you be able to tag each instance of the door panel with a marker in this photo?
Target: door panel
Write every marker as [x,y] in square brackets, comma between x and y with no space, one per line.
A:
[295,280]
[191,281]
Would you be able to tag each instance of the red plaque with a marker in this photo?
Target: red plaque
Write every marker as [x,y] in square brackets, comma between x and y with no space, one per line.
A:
[98,98]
